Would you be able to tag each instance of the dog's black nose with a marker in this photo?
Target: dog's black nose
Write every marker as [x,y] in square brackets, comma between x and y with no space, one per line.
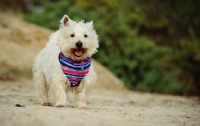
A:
[79,44]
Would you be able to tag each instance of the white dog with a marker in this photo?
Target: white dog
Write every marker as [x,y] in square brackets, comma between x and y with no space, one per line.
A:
[65,63]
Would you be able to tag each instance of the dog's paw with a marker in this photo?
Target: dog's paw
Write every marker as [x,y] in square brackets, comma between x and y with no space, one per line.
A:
[46,104]
[82,107]
[60,105]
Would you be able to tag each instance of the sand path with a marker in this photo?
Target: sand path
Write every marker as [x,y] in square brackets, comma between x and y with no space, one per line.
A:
[106,108]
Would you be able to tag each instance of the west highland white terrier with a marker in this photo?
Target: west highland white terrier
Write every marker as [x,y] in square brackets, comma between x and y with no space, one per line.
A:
[65,63]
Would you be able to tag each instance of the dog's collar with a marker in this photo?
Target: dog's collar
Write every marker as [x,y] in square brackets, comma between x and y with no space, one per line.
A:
[75,71]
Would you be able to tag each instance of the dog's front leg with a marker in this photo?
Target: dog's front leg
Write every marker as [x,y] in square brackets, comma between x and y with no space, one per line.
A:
[60,94]
[80,97]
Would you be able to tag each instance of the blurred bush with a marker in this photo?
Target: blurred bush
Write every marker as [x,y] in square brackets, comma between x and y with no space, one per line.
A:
[135,37]
[175,24]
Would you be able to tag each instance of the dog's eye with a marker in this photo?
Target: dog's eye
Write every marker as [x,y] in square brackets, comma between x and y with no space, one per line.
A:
[72,35]
[85,36]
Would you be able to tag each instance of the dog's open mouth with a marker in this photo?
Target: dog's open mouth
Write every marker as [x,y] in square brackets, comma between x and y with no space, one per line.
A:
[79,52]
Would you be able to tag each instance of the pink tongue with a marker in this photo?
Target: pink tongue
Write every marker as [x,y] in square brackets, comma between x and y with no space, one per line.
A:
[78,52]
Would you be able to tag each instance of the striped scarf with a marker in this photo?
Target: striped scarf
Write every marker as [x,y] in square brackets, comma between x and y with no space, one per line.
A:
[75,71]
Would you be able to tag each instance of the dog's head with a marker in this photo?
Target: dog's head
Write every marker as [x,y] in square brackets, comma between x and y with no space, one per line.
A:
[77,40]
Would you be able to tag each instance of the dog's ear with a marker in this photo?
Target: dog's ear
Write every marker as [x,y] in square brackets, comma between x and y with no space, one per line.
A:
[90,24]
[65,21]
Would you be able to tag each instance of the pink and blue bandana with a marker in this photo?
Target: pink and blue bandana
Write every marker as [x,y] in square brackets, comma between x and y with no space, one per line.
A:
[75,71]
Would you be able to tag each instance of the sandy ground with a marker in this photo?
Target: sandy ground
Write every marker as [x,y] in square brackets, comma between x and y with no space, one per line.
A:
[106,108]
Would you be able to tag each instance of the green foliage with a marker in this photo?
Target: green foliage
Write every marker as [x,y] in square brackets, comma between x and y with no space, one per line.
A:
[176,26]
[189,60]
[134,58]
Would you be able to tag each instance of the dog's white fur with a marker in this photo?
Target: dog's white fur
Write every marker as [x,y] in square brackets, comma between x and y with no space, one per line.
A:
[47,73]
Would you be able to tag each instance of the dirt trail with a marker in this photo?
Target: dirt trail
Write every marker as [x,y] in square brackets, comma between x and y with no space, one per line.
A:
[106,107]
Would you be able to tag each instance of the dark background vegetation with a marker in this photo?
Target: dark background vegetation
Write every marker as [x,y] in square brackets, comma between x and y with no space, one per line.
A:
[151,45]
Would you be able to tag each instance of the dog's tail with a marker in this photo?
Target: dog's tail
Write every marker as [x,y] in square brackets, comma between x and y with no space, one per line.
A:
[53,38]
